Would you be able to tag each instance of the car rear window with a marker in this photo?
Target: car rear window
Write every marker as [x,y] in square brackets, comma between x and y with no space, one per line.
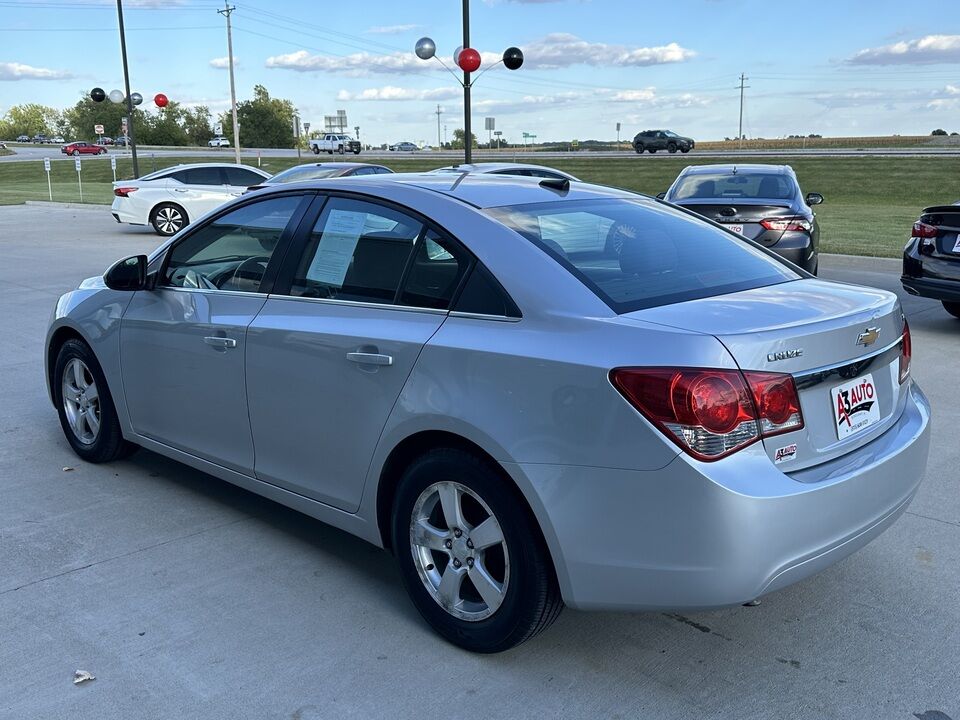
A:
[635,254]
[308,172]
[765,186]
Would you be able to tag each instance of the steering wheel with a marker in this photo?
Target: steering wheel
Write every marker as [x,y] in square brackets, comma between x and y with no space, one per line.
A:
[619,233]
[247,275]
[193,279]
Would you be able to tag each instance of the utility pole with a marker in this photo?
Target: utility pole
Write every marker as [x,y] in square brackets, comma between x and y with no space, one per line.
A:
[438,113]
[126,85]
[467,133]
[743,79]
[226,12]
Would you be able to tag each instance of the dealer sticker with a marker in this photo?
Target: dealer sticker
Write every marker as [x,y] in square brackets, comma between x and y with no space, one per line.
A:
[956,245]
[788,452]
[855,406]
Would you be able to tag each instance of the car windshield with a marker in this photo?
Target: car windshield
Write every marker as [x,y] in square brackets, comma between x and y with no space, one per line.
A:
[751,185]
[306,172]
[670,133]
[634,254]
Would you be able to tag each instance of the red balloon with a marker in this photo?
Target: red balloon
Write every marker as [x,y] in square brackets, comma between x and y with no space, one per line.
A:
[161,100]
[469,60]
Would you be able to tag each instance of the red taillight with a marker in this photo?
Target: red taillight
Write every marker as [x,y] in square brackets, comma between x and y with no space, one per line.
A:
[922,230]
[906,351]
[712,413]
[123,191]
[786,225]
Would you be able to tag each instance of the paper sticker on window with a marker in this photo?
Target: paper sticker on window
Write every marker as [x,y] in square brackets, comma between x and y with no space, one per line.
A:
[341,232]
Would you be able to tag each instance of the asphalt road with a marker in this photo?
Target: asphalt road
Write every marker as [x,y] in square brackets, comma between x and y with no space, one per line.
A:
[38,152]
[187,597]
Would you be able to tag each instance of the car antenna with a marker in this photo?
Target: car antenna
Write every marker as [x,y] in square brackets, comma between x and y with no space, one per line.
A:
[734,169]
[561,184]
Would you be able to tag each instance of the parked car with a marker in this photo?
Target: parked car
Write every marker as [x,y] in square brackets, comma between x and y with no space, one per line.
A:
[653,140]
[514,169]
[218,142]
[931,259]
[335,143]
[122,140]
[23,138]
[316,171]
[56,140]
[82,148]
[171,198]
[760,202]
[105,141]
[39,138]
[526,415]
[404,147]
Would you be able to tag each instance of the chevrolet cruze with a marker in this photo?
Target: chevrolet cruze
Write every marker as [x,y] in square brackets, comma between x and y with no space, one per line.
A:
[534,392]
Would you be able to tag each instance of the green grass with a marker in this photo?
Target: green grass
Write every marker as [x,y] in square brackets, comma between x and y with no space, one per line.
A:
[870,204]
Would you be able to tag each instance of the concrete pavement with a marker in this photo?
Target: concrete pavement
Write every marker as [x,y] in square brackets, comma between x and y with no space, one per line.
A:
[187,597]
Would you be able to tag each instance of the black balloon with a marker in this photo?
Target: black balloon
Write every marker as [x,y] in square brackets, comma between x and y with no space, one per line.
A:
[98,95]
[512,58]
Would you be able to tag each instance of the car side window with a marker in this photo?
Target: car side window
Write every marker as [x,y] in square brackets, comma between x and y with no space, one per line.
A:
[242,177]
[199,176]
[231,252]
[438,267]
[357,251]
[365,171]
[483,295]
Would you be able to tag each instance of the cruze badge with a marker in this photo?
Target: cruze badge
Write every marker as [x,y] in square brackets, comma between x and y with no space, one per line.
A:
[784,355]
[868,337]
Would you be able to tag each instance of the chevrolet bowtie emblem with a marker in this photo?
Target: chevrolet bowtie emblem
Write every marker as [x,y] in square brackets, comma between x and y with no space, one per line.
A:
[868,337]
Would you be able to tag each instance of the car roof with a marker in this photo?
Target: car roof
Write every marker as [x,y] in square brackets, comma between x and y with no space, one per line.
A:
[333,165]
[738,168]
[478,190]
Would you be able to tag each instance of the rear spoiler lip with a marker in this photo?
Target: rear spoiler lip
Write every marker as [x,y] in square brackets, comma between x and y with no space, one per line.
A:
[941,209]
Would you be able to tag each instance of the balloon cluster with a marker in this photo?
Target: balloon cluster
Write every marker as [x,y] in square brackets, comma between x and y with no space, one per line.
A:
[116,96]
[468,59]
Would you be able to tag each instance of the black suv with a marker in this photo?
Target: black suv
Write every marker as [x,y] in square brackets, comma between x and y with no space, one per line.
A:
[654,140]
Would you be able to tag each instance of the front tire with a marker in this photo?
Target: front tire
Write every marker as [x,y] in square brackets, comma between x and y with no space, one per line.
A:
[470,554]
[952,307]
[671,148]
[87,413]
[356,152]
[685,150]
[168,219]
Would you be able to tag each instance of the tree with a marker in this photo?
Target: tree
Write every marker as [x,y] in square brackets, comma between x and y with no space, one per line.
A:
[165,127]
[30,119]
[81,118]
[458,135]
[264,121]
[939,131]
[196,124]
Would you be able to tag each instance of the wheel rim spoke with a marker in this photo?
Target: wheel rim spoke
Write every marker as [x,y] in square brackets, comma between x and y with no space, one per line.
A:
[427,536]
[92,393]
[78,379]
[93,422]
[449,589]
[486,534]
[490,590]
[450,502]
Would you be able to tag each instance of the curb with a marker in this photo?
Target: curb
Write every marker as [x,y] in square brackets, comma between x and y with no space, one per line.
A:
[66,205]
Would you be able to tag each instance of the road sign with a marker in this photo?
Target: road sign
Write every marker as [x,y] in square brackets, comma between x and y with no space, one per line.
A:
[46,167]
[123,124]
[218,129]
[113,162]
[98,129]
[46,164]
[76,163]
[489,123]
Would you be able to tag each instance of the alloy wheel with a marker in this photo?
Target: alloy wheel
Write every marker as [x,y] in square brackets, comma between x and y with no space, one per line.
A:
[459,551]
[169,220]
[81,401]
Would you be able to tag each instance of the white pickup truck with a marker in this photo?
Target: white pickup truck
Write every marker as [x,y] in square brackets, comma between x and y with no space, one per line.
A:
[335,143]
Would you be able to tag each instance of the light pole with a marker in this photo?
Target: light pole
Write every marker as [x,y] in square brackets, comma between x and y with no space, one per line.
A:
[126,84]
[468,60]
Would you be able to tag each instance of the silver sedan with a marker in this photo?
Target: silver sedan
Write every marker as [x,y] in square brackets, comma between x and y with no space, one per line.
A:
[534,393]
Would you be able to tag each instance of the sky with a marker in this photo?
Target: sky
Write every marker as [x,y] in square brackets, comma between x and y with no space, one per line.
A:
[839,68]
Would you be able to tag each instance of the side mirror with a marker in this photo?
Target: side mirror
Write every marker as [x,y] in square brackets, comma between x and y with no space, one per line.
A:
[127,274]
[661,195]
[814,198]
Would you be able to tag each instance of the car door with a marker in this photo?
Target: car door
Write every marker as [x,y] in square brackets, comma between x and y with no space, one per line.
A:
[239,178]
[183,342]
[329,353]
[199,190]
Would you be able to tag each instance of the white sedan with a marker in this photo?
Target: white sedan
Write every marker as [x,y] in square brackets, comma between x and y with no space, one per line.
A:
[172,198]
[218,142]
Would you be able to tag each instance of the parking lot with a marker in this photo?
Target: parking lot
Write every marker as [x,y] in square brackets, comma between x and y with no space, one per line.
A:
[186,596]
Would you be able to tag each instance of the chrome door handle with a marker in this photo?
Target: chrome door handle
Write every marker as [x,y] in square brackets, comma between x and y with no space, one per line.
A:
[180,190]
[369,358]
[221,342]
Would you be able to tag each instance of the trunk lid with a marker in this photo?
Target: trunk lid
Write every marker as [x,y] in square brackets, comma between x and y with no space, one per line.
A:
[946,218]
[745,214]
[841,343]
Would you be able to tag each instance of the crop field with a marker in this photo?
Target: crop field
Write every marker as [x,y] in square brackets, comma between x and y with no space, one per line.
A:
[870,202]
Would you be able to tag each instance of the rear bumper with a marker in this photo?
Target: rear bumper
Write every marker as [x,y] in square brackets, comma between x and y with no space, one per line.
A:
[123,213]
[930,276]
[798,248]
[703,535]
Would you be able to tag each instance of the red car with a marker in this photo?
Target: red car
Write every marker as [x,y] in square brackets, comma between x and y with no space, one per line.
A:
[82,148]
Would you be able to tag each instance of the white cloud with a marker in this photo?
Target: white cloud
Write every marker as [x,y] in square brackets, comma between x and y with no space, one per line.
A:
[223,63]
[355,65]
[392,29]
[19,71]
[390,92]
[559,50]
[923,51]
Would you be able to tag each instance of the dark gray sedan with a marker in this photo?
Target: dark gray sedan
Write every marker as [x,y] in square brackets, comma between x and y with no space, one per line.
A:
[761,202]
[319,171]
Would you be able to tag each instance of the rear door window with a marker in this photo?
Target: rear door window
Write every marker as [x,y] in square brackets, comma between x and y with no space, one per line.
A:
[241,177]
[635,254]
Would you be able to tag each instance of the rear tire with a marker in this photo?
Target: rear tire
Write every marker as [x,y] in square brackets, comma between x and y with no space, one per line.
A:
[502,591]
[639,148]
[76,153]
[87,413]
[168,219]
[952,307]
[340,150]
[316,150]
